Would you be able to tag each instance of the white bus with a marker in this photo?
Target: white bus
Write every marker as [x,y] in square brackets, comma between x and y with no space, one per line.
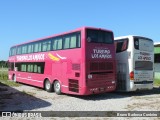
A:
[135,60]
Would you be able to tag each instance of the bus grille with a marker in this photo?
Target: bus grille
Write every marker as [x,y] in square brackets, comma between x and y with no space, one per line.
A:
[73,85]
[75,66]
[97,66]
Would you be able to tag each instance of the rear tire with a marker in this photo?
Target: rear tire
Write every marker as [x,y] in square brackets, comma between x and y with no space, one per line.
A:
[48,86]
[57,87]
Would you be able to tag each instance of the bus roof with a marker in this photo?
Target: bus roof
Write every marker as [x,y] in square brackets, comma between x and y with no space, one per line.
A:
[63,33]
[127,36]
[157,44]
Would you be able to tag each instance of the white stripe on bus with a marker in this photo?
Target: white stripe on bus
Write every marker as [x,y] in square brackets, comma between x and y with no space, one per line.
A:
[64,86]
[37,81]
[30,79]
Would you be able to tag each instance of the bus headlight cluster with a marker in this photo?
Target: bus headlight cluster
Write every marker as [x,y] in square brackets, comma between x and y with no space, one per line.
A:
[94,89]
[113,82]
[110,87]
[89,76]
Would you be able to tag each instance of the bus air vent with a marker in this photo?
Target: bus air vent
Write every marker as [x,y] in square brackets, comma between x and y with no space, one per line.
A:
[96,66]
[73,85]
[75,66]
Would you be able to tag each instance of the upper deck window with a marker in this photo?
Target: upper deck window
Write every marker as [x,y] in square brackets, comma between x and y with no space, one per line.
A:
[46,45]
[99,36]
[12,51]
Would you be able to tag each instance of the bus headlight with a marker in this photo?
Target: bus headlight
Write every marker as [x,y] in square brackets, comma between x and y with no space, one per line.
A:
[89,76]
[113,82]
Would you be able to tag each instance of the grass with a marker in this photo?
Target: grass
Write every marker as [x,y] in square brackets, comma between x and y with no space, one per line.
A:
[157,82]
[4,78]
[3,74]
[10,83]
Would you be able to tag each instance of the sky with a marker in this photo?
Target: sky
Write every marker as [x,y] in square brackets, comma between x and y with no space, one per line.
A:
[26,20]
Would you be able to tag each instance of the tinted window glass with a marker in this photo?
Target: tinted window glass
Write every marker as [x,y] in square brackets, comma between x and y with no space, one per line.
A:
[57,44]
[37,47]
[11,66]
[66,42]
[143,44]
[99,36]
[157,58]
[73,42]
[30,48]
[46,46]
[37,67]
[12,51]
[143,65]
[19,50]
[121,45]
[79,40]
[24,49]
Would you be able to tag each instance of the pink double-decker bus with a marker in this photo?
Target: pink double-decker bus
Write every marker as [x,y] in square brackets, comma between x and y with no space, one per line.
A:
[80,62]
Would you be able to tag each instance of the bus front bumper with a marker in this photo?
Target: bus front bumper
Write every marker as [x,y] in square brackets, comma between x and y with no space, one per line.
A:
[145,86]
[97,90]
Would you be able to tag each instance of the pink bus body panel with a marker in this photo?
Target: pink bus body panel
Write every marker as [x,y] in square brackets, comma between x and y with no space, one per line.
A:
[72,66]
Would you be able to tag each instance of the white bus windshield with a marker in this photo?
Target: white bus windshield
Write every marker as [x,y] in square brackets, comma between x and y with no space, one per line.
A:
[143,44]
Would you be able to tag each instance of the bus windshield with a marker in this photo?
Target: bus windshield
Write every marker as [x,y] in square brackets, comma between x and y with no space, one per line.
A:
[99,36]
[143,44]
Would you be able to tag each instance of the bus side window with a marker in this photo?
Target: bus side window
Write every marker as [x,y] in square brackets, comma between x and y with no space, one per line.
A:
[19,50]
[78,40]
[37,47]
[73,41]
[54,44]
[57,44]
[46,46]
[12,51]
[28,68]
[40,67]
[66,42]
[30,48]
[35,69]
[121,45]
[23,67]
[124,46]
[24,49]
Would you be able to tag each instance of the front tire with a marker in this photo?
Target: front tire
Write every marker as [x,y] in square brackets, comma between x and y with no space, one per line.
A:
[57,87]
[48,86]
[14,78]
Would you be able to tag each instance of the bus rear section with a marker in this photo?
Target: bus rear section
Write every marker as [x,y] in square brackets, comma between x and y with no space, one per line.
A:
[143,61]
[100,61]
[136,73]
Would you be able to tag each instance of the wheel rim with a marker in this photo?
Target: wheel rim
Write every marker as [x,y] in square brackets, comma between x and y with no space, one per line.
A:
[14,78]
[48,85]
[57,86]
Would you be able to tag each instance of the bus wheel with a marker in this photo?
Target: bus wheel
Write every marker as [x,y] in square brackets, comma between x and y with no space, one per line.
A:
[14,78]
[57,87]
[48,86]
